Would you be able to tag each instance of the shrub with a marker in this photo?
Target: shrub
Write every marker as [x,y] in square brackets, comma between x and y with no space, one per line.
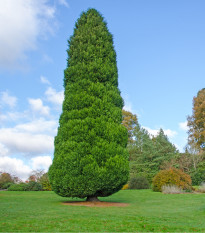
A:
[125,187]
[33,186]
[171,176]
[18,187]
[6,185]
[139,182]
[201,188]
[171,189]
[198,176]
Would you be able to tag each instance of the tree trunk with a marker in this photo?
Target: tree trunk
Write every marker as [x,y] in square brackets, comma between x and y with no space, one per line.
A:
[92,199]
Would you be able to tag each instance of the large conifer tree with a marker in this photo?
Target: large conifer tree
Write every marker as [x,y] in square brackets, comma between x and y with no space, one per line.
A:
[90,157]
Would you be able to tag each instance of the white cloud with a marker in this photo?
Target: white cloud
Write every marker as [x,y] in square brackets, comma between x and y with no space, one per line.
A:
[25,143]
[14,116]
[170,133]
[179,147]
[7,99]
[128,104]
[37,106]
[63,2]
[15,167]
[183,126]
[38,126]
[2,117]
[55,97]
[128,107]
[32,138]
[41,162]
[22,23]
[44,80]
[47,59]
[3,150]
[154,132]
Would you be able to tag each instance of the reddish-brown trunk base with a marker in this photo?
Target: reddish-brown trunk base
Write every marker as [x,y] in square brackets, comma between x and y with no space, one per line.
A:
[92,199]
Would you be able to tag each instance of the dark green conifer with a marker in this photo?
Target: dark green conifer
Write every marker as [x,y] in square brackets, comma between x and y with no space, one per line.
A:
[90,157]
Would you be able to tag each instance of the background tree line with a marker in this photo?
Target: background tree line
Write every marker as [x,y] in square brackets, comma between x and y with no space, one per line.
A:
[149,154]
[37,181]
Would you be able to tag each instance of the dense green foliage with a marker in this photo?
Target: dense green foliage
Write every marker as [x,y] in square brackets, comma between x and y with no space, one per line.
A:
[90,157]
[18,187]
[6,185]
[148,154]
[31,186]
[138,182]
[198,175]
[147,212]
[171,176]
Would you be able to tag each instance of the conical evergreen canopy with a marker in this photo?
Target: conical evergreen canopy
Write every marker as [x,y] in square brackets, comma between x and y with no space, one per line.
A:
[90,157]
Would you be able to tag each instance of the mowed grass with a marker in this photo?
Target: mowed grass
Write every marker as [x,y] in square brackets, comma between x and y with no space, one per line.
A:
[147,211]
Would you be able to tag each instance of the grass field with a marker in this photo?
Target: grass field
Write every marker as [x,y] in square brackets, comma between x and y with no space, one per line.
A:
[147,211]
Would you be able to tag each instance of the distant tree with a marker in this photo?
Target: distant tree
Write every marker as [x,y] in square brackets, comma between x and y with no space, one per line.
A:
[44,181]
[196,156]
[164,149]
[141,153]
[32,178]
[130,122]
[5,178]
[36,175]
[16,179]
[196,122]
[148,154]
[90,158]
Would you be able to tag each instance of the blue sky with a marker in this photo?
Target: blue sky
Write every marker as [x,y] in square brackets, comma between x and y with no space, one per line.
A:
[160,54]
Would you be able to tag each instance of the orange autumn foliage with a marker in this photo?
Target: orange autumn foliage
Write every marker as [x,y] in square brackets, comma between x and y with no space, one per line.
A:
[171,176]
[196,122]
[125,187]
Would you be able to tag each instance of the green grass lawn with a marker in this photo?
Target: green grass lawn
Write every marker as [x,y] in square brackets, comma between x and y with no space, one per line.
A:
[147,211]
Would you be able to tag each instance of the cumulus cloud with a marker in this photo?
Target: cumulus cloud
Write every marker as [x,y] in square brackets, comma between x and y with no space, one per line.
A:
[8,100]
[38,126]
[41,163]
[25,143]
[63,2]
[128,107]
[37,106]
[2,117]
[15,116]
[32,138]
[183,126]
[128,104]
[3,150]
[54,97]
[170,133]
[22,23]
[47,59]
[15,167]
[44,80]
